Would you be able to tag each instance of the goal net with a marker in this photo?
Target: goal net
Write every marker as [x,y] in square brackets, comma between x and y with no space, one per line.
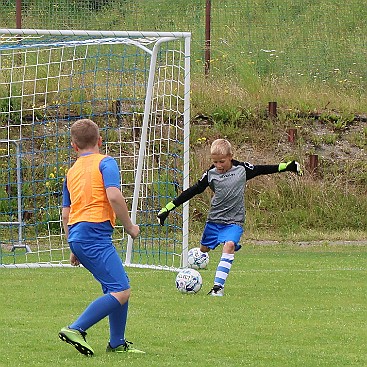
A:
[136,87]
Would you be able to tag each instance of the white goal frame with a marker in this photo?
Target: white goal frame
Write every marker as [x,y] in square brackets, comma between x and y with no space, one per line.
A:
[178,116]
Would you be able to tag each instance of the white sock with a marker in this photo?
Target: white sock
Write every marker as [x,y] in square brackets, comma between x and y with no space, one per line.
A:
[223,269]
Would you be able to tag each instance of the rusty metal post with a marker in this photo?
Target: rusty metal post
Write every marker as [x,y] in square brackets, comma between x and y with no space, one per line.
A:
[292,135]
[18,14]
[272,109]
[208,10]
[313,163]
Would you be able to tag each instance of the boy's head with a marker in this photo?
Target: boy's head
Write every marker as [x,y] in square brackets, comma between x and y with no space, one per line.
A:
[84,134]
[221,154]
[221,147]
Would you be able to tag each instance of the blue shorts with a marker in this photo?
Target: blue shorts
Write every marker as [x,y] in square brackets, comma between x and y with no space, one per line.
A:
[103,261]
[215,234]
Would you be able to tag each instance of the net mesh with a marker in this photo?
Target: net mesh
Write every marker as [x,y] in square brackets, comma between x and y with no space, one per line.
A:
[46,84]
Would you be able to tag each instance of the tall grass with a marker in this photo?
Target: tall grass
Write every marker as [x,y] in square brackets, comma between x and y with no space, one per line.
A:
[302,206]
[328,203]
[306,54]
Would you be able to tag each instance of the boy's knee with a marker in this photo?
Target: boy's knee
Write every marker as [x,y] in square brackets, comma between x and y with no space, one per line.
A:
[122,296]
[229,247]
[204,248]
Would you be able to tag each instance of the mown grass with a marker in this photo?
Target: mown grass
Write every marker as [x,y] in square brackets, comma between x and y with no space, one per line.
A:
[284,306]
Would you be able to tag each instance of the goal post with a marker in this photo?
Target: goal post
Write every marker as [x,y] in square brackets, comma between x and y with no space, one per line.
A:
[136,87]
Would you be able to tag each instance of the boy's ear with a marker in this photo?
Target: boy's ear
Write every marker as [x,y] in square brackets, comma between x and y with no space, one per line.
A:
[100,141]
[75,147]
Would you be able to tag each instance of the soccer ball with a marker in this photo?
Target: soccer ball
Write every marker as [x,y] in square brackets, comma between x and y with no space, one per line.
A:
[189,281]
[197,259]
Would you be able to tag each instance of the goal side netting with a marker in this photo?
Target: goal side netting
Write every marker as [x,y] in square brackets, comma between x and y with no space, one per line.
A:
[136,87]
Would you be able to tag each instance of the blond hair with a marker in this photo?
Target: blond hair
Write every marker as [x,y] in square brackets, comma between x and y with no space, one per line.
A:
[84,133]
[221,147]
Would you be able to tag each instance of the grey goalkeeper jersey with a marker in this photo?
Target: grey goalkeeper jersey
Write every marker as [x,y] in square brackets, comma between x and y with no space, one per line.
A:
[228,201]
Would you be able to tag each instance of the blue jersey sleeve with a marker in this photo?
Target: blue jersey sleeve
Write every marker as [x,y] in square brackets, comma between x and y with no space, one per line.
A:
[110,172]
[66,202]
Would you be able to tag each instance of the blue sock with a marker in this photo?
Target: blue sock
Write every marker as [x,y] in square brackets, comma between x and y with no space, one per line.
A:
[117,320]
[95,312]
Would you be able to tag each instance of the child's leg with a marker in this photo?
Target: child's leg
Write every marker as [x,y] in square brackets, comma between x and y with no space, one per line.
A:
[225,264]
[230,235]
[95,312]
[117,321]
[103,261]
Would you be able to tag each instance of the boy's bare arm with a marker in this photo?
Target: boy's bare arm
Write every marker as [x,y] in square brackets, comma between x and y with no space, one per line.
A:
[119,206]
[65,218]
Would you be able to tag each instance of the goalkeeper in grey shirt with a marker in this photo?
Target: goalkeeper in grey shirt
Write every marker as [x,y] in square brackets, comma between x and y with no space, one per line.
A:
[227,179]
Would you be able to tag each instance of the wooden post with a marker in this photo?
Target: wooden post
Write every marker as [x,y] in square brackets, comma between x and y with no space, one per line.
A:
[208,10]
[272,109]
[313,163]
[18,14]
[292,135]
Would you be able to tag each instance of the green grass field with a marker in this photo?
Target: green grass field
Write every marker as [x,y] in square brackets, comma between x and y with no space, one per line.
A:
[284,306]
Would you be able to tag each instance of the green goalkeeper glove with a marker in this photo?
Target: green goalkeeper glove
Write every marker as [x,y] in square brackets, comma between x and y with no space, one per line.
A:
[292,166]
[163,213]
